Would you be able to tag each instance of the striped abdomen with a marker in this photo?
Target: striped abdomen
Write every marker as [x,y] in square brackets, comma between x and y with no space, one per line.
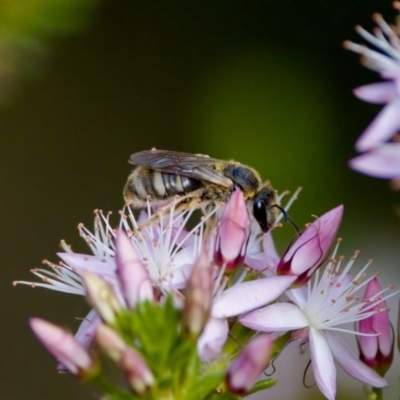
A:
[144,183]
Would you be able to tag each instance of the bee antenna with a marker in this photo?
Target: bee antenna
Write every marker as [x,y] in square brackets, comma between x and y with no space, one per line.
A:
[287,218]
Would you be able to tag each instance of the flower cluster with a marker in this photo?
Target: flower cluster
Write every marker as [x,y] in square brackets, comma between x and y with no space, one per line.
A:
[379,141]
[168,301]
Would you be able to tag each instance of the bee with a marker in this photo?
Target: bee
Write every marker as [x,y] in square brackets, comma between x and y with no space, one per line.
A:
[199,180]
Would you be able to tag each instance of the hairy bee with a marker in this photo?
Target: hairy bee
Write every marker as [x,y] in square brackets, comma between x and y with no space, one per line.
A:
[200,180]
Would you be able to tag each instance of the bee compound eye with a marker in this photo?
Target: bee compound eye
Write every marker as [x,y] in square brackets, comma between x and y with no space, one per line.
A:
[260,213]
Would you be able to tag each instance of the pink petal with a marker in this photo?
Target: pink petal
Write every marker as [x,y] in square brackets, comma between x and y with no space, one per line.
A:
[383,127]
[377,323]
[376,93]
[232,232]
[382,162]
[62,345]
[275,317]
[350,363]
[133,275]
[249,364]
[322,364]
[311,248]
[83,262]
[87,328]
[212,339]
[247,296]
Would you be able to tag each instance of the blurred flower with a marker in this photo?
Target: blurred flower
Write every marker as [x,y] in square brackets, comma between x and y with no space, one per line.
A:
[233,232]
[314,313]
[198,296]
[136,371]
[99,294]
[382,162]
[110,342]
[62,345]
[386,62]
[249,364]
[376,350]
[310,250]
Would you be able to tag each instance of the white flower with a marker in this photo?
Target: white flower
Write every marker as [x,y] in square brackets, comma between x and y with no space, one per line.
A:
[316,312]
[167,249]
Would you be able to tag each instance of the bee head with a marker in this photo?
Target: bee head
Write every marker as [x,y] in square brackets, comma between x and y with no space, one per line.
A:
[265,207]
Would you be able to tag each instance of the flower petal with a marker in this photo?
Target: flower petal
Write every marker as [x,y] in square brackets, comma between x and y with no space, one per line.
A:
[212,339]
[87,328]
[382,162]
[133,275]
[383,127]
[350,363]
[83,262]
[322,364]
[275,317]
[247,296]
[376,93]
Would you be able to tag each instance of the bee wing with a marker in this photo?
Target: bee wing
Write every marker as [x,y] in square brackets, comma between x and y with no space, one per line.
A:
[173,162]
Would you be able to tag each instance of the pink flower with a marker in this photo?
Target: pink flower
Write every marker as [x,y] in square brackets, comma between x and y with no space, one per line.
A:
[315,313]
[62,345]
[233,231]
[240,298]
[375,340]
[311,249]
[249,364]
[382,162]
[198,296]
[386,62]
[133,276]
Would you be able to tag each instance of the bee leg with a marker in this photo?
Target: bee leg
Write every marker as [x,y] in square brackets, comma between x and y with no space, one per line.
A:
[179,203]
[211,222]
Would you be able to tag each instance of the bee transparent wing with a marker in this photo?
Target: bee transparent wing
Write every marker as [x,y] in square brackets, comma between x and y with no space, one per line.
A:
[173,162]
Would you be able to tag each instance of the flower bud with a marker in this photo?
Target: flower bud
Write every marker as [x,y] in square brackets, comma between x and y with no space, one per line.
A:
[249,364]
[110,342]
[133,275]
[101,297]
[62,345]
[376,351]
[232,236]
[136,370]
[198,296]
[311,249]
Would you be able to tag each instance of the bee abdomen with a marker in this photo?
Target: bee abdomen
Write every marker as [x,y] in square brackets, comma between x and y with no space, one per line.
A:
[175,184]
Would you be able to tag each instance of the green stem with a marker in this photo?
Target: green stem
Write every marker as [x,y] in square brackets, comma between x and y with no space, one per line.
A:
[376,394]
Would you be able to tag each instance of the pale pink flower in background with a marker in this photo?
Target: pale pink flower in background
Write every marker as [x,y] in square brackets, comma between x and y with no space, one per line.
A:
[386,62]
[315,313]
[382,162]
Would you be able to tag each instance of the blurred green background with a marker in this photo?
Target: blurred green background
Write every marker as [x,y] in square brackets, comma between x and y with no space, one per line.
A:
[85,84]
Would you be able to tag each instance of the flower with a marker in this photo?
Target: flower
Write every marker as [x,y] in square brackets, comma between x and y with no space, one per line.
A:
[233,232]
[382,162]
[249,364]
[62,345]
[315,313]
[376,351]
[386,62]
[166,249]
[310,250]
